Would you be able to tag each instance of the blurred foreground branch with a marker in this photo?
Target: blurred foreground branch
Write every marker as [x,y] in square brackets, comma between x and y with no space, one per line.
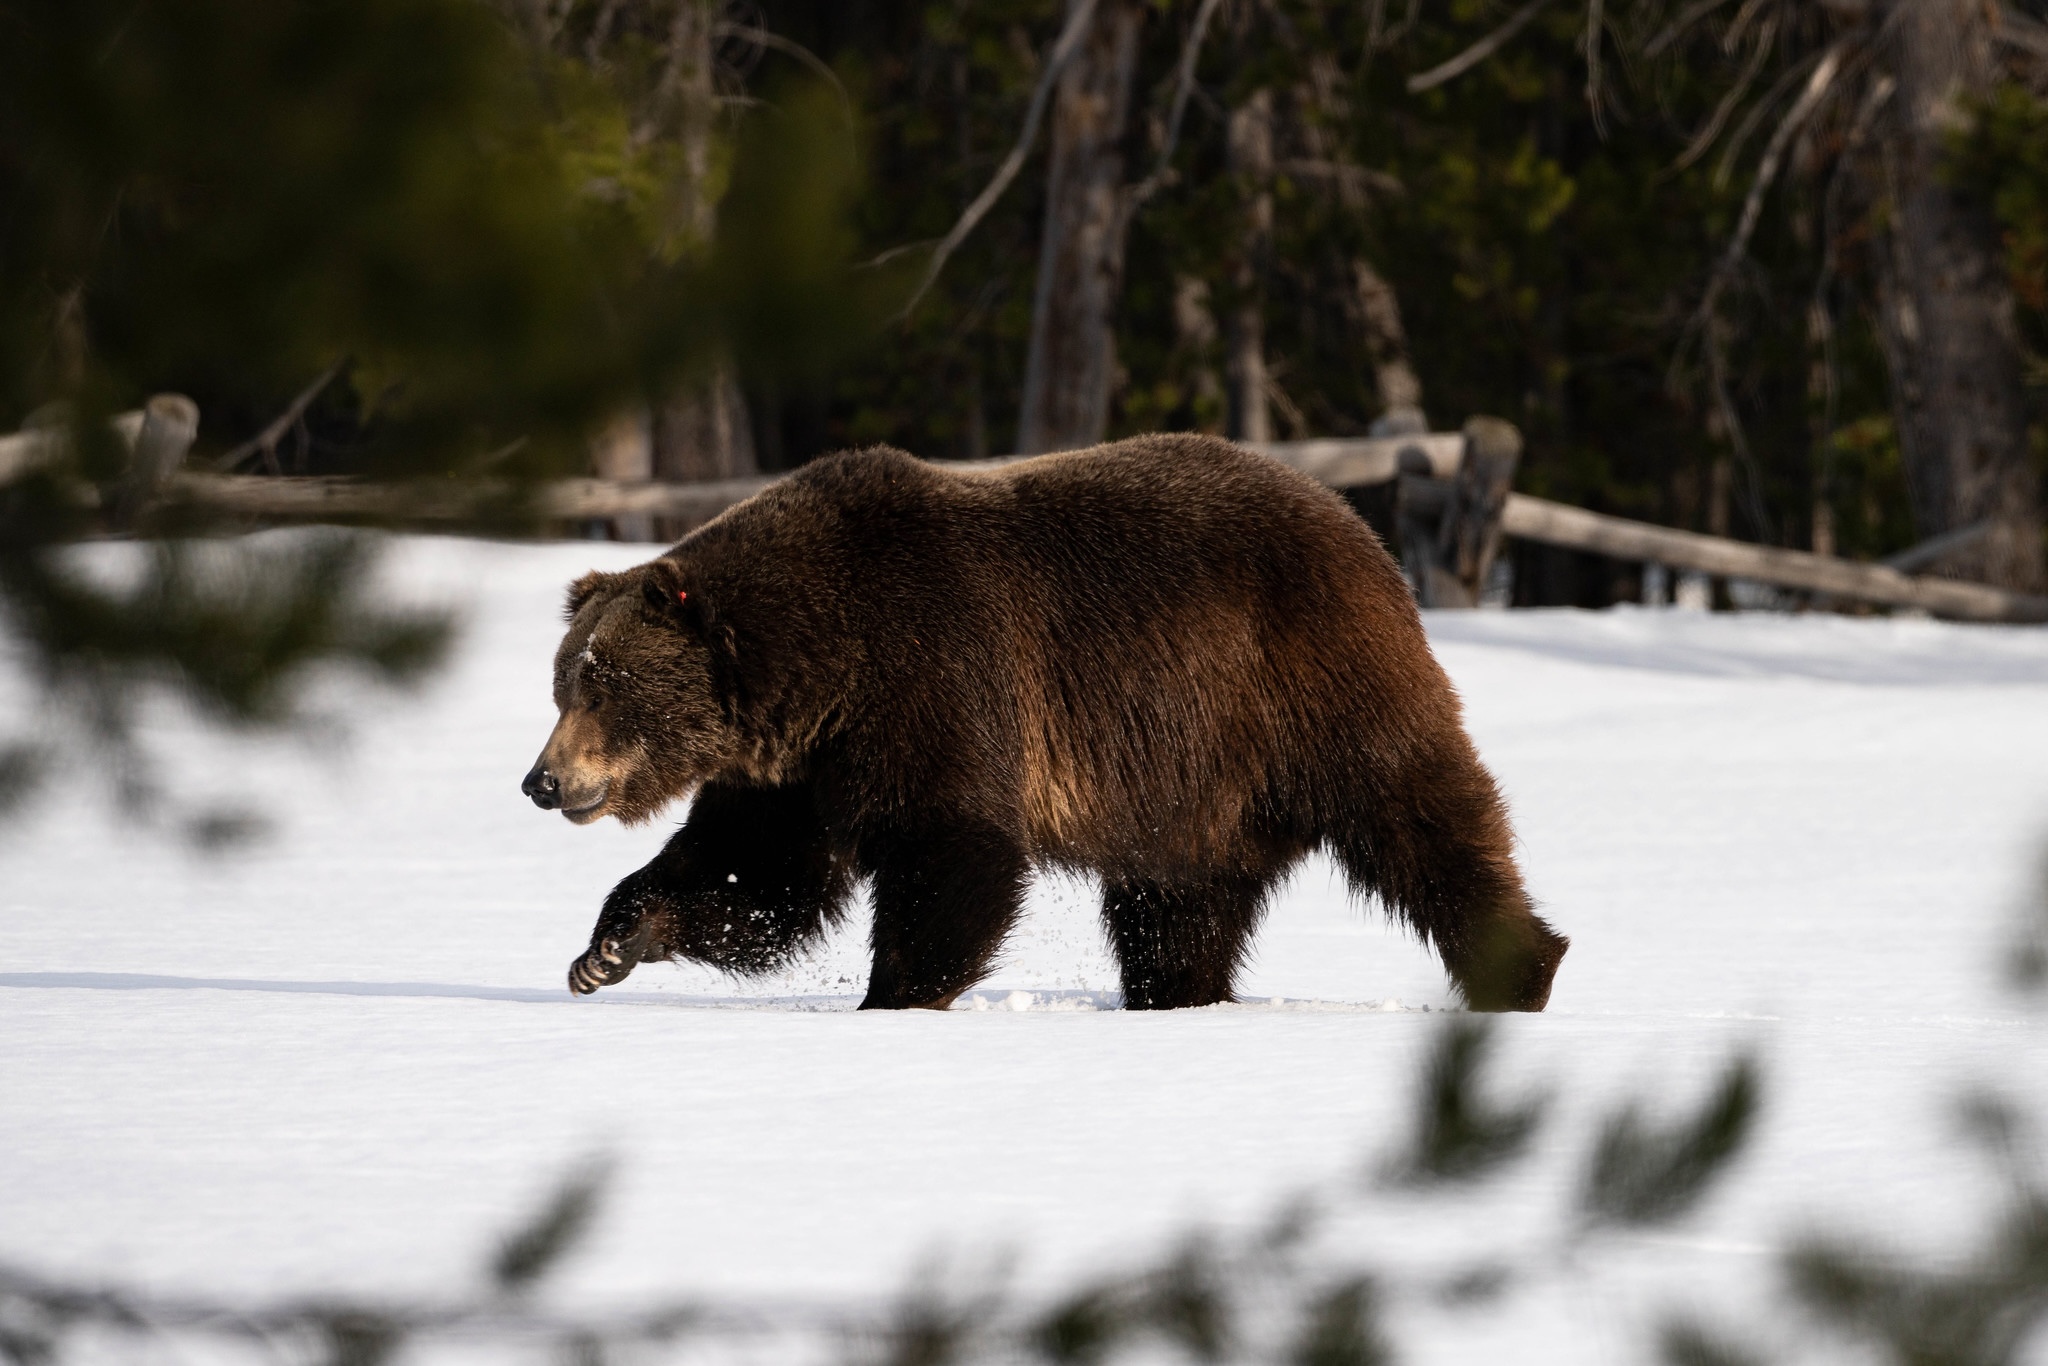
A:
[1280,1289]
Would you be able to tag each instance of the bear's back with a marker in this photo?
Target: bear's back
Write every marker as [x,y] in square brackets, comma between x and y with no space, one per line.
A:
[1168,622]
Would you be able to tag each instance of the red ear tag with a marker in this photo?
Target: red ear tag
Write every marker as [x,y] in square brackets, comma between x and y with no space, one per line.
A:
[681,596]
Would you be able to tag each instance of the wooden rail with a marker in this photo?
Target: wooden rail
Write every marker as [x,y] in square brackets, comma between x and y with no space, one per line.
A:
[1338,463]
[1573,528]
[1539,519]
[1453,510]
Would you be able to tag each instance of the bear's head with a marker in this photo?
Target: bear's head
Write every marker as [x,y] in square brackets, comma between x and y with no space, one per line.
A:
[644,698]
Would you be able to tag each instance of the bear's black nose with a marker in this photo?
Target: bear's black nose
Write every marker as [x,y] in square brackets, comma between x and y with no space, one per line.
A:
[543,787]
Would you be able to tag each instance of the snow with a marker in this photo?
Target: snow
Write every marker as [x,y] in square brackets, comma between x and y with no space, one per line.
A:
[348,1059]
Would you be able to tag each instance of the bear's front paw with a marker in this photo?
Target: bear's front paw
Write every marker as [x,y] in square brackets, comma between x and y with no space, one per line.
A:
[607,961]
[601,967]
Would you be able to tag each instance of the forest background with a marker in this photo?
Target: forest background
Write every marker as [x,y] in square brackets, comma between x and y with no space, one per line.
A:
[1675,243]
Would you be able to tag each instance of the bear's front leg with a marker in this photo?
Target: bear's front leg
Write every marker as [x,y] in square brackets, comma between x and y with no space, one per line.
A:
[944,900]
[632,929]
[749,880]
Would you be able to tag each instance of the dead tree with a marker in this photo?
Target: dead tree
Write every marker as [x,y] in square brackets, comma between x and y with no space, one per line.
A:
[1071,364]
[1195,333]
[699,429]
[1374,309]
[1947,307]
[1386,346]
[1250,138]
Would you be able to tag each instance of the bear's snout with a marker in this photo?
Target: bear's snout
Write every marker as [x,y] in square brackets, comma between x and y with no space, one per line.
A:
[543,787]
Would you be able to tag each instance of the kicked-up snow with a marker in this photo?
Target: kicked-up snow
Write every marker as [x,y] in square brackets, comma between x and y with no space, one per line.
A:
[347,1059]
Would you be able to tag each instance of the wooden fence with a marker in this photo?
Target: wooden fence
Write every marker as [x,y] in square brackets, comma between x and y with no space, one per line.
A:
[1454,505]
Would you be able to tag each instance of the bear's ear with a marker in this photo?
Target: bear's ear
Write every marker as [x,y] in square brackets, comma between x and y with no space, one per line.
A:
[584,589]
[674,601]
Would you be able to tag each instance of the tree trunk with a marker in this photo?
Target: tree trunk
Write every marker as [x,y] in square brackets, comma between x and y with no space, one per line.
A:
[700,429]
[624,451]
[1372,304]
[1071,366]
[1195,332]
[1949,334]
[703,432]
[1251,165]
[1386,346]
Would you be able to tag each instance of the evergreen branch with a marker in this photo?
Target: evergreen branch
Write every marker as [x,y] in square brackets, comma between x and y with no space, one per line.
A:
[1460,1134]
[1640,1174]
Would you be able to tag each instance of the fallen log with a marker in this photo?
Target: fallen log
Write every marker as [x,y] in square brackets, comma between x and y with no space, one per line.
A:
[1427,466]
[316,498]
[1539,519]
[302,498]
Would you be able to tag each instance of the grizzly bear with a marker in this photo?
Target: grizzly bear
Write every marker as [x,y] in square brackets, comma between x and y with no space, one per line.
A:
[1167,662]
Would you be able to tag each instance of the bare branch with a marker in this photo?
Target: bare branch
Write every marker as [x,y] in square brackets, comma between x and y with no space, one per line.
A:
[1755,117]
[1680,26]
[1738,440]
[1183,86]
[1874,99]
[266,440]
[1774,153]
[1705,318]
[1749,11]
[2018,30]
[1821,308]
[1055,62]
[1595,26]
[600,31]
[1704,139]
[761,37]
[1478,52]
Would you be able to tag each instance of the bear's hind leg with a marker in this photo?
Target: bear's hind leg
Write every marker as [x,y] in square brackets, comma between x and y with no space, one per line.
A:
[943,903]
[1181,945]
[1438,851]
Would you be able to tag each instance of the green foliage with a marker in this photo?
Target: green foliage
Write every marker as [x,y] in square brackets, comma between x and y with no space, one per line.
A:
[1082,1329]
[1343,1329]
[1688,1342]
[1269,1292]
[209,185]
[533,1249]
[2003,155]
[235,631]
[2026,965]
[1641,1173]
[1977,1314]
[1549,263]
[493,243]
[1461,1135]
[211,194]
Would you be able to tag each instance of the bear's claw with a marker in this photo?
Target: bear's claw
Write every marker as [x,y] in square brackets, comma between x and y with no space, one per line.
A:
[606,962]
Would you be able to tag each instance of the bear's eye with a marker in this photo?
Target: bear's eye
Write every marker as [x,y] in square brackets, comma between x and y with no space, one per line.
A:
[592,701]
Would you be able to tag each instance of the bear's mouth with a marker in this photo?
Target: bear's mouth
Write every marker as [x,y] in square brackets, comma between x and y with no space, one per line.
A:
[586,812]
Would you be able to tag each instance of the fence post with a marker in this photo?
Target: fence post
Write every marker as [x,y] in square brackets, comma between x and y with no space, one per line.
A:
[168,425]
[1450,552]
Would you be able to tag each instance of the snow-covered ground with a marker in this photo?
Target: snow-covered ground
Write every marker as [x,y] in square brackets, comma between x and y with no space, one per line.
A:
[348,1058]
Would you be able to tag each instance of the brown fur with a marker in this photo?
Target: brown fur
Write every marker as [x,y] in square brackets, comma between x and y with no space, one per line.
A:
[1166,662]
